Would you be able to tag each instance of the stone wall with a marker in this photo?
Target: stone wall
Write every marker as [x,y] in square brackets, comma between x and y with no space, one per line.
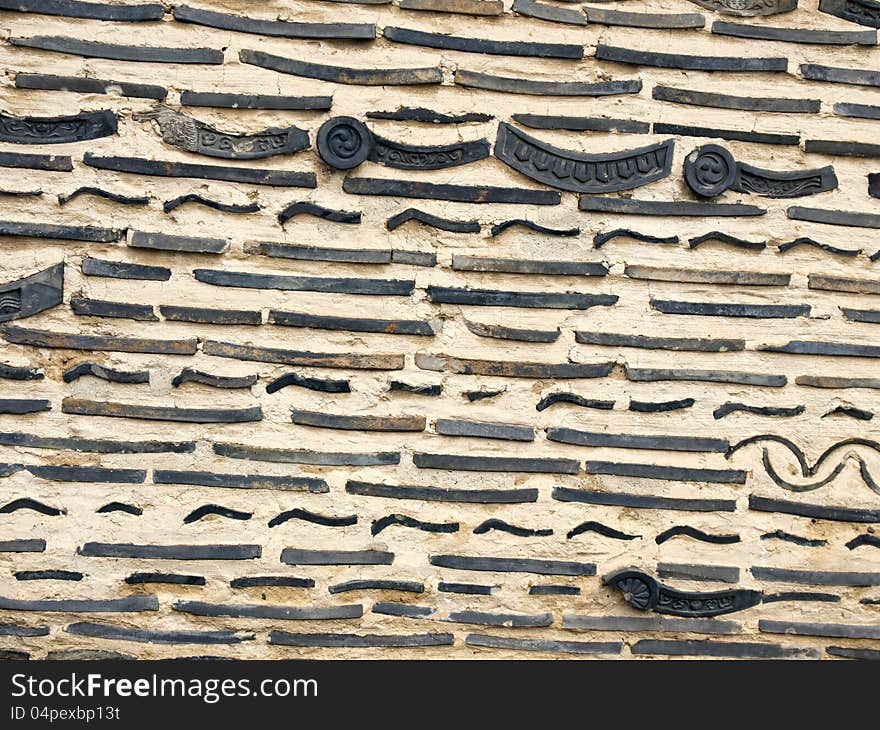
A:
[559,411]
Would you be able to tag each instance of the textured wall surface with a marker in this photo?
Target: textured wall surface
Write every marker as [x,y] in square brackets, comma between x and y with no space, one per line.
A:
[221,514]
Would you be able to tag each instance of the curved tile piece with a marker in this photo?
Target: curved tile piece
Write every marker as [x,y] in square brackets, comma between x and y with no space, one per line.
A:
[710,170]
[32,294]
[641,591]
[580,172]
[278,28]
[57,130]
[190,134]
[748,8]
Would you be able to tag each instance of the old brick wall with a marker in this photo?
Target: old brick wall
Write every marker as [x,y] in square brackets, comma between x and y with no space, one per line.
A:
[572,485]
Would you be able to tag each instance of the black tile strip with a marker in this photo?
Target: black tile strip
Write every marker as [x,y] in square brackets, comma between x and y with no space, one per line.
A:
[262,610]
[705,376]
[736,135]
[294,556]
[447,191]
[122,270]
[529,266]
[510,85]
[403,610]
[279,28]
[147,636]
[496,464]
[550,13]
[247,280]
[11,372]
[442,494]
[858,77]
[94,49]
[160,168]
[482,45]
[801,596]
[429,116]
[815,577]
[834,217]
[272,581]
[469,589]
[642,501]
[650,624]
[465,366]
[70,575]
[670,473]
[352,324]
[804,628]
[169,552]
[358,423]
[478,429]
[644,20]
[796,35]
[720,650]
[581,124]
[635,441]
[639,406]
[255,101]
[24,631]
[201,315]
[304,456]
[536,300]
[122,310]
[680,344]
[89,10]
[814,511]
[513,565]
[341,74]
[404,586]
[50,82]
[22,406]
[128,604]
[321,253]
[742,103]
[514,620]
[730,309]
[847,652]
[100,446]
[86,407]
[834,349]
[360,641]
[168,578]
[553,590]
[240,481]
[91,234]
[711,573]
[626,206]
[605,52]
